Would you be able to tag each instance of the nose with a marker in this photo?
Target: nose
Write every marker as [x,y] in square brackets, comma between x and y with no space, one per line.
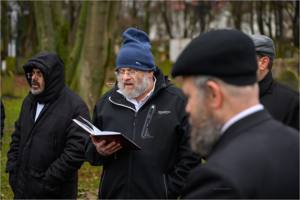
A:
[126,76]
[33,77]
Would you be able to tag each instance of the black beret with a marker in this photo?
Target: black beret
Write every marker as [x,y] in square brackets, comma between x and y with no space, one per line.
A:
[226,54]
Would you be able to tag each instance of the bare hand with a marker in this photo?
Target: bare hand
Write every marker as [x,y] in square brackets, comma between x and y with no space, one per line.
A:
[105,150]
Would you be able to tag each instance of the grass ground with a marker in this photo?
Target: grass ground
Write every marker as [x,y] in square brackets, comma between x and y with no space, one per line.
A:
[89,176]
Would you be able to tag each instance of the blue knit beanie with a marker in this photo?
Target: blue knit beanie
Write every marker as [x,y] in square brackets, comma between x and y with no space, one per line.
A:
[136,51]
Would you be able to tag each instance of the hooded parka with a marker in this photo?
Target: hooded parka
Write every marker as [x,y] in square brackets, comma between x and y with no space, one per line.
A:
[45,154]
[160,127]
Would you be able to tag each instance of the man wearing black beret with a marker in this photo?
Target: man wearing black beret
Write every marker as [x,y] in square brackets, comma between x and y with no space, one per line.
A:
[248,154]
[280,100]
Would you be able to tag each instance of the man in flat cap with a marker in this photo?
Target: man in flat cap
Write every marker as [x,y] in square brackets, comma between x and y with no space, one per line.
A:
[146,108]
[280,100]
[248,154]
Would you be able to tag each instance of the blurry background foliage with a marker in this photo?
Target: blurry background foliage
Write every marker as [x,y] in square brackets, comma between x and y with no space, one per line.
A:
[87,35]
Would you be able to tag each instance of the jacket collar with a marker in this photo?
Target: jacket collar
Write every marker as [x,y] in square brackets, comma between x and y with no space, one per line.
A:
[265,85]
[161,83]
[239,127]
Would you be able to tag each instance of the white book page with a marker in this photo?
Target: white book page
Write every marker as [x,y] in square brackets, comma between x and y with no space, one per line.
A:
[107,133]
[93,130]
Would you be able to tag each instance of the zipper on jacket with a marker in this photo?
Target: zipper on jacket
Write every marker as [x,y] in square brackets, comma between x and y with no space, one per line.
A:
[166,186]
[145,132]
[101,184]
[130,158]
[133,137]
[121,105]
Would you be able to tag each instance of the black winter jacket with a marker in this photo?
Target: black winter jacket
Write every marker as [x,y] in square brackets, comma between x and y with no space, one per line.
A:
[160,128]
[45,155]
[280,100]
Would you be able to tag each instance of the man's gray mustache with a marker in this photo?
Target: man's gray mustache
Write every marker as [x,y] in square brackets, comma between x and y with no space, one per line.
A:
[35,82]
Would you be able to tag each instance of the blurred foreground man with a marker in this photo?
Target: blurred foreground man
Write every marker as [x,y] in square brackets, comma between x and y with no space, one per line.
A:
[146,108]
[47,148]
[248,153]
[280,100]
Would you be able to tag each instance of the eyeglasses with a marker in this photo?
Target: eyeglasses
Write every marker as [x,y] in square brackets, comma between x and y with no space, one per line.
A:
[130,73]
[37,75]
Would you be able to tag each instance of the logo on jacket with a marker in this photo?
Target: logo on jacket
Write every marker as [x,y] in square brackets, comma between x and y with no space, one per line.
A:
[164,112]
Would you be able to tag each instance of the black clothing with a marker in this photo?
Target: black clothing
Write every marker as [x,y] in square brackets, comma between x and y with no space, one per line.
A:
[45,154]
[280,100]
[219,53]
[257,157]
[160,127]
[2,121]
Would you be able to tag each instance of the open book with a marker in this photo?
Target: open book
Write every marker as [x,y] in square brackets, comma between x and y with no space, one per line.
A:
[108,136]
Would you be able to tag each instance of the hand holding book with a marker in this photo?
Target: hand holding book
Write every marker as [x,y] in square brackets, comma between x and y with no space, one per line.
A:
[109,137]
[103,149]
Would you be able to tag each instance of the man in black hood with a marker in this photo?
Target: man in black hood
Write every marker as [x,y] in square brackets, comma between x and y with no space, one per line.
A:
[47,148]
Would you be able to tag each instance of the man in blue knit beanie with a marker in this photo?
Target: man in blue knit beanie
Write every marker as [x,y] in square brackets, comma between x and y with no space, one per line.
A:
[146,108]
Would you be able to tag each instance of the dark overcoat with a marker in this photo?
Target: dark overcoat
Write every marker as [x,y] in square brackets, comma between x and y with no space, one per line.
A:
[280,100]
[257,157]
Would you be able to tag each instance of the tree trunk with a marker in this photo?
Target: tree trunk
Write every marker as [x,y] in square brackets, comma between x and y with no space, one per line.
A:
[134,15]
[280,22]
[94,60]
[202,16]
[259,11]
[185,25]
[268,17]
[4,29]
[236,11]
[72,73]
[75,14]
[294,15]
[296,25]
[61,30]
[164,13]
[30,30]
[44,26]
[251,16]
[146,26]
[277,21]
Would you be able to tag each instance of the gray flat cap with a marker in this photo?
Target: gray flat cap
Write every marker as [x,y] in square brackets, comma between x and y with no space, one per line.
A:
[264,45]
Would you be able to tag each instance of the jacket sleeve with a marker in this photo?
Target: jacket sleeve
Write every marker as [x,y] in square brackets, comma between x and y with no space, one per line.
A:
[72,156]
[91,154]
[12,155]
[186,161]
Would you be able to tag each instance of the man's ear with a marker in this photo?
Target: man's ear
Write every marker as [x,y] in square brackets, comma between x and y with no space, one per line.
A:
[151,74]
[263,63]
[215,95]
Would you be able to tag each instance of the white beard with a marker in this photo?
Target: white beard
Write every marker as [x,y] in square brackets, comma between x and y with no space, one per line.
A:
[205,131]
[138,88]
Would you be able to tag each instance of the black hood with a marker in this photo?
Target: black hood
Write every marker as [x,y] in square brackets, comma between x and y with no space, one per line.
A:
[53,70]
